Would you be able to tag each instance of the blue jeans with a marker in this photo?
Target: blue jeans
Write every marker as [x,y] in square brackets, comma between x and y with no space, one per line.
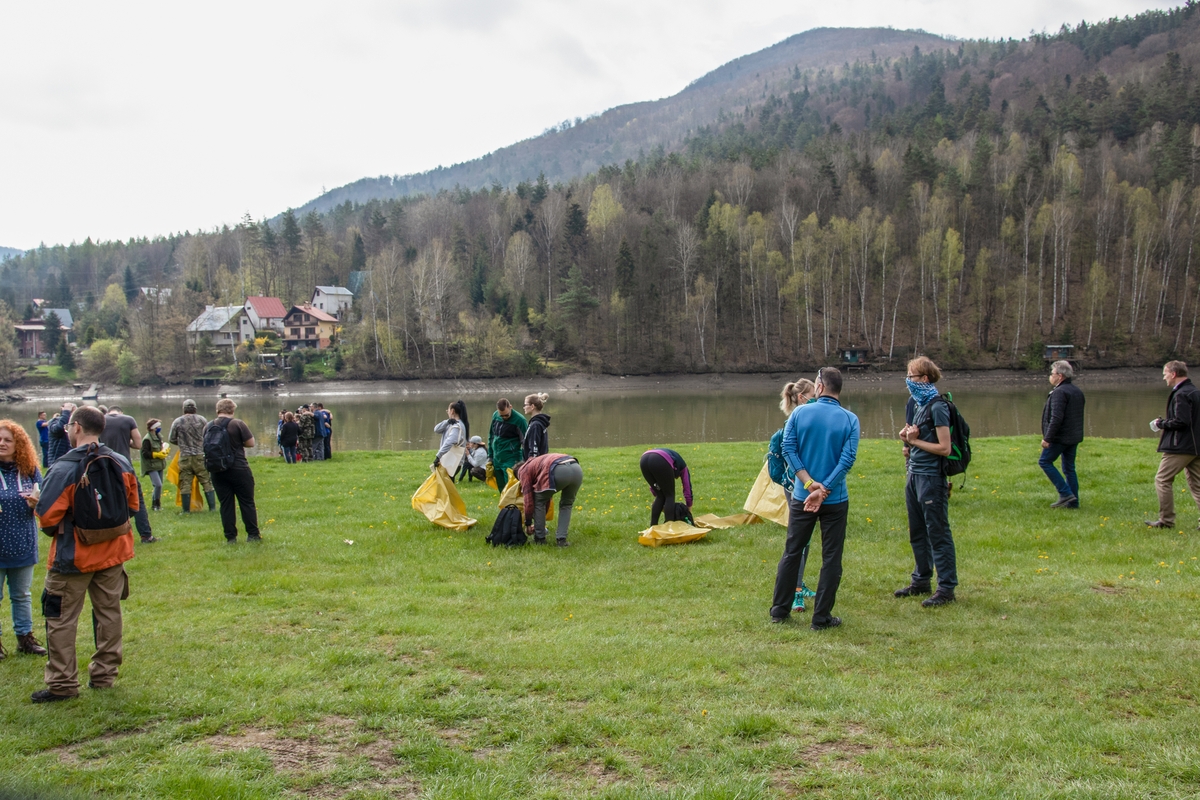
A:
[1070,485]
[289,454]
[19,580]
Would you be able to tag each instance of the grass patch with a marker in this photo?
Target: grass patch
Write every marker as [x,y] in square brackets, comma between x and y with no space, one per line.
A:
[421,662]
[52,373]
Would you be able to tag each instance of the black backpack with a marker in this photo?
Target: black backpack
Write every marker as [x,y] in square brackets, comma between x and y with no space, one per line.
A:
[684,514]
[960,440]
[100,509]
[508,529]
[218,449]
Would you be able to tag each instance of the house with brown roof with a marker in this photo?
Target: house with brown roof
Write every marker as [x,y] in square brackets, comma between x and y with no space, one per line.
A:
[305,326]
[266,313]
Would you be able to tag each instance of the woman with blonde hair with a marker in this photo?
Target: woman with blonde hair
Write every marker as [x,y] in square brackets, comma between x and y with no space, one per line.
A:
[537,442]
[20,486]
[794,394]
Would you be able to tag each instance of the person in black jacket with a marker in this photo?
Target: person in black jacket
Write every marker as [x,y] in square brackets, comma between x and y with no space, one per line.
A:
[1062,431]
[1177,442]
[537,441]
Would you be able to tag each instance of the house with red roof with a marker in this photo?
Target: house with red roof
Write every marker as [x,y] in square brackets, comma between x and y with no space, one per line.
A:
[305,326]
[266,313]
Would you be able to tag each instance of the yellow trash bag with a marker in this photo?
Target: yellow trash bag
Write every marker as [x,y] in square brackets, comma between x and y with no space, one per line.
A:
[731,521]
[441,503]
[670,533]
[173,477]
[490,480]
[511,496]
[767,499]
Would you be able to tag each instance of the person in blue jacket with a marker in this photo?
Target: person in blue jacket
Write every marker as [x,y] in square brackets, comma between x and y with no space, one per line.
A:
[43,429]
[820,444]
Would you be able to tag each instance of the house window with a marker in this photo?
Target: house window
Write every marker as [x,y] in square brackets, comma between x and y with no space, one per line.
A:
[296,332]
[310,333]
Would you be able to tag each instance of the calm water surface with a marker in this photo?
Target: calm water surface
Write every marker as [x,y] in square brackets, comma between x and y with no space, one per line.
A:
[602,419]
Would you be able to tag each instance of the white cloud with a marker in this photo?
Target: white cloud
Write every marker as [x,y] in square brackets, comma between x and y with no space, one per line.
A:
[142,118]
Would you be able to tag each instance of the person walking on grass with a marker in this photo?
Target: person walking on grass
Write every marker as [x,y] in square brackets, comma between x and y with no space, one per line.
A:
[1178,442]
[76,568]
[541,478]
[154,459]
[537,439]
[794,395]
[820,444]
[927,490]
[236,483]
[20,482]
[187,433]
[504,440]
[43,429]
[120,434]
[1062,431]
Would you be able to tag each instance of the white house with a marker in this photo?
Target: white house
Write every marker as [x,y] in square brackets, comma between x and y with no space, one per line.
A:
[332,300]
[225,326]
[266,313]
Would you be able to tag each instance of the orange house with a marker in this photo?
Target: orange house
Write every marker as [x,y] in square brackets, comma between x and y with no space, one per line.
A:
[305,326]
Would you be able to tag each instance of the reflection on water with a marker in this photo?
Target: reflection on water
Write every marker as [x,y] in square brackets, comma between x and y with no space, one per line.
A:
[601,419]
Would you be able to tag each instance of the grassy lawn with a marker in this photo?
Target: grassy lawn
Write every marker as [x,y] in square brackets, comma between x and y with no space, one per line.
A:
[52,373]
[420,662]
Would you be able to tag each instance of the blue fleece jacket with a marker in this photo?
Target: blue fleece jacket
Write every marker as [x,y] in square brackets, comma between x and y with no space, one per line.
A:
[822,437]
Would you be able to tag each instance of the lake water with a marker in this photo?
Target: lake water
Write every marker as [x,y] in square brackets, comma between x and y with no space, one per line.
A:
[601,419]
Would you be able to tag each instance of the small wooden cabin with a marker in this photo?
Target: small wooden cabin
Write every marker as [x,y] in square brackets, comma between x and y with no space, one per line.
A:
[1059,352]
[855,356]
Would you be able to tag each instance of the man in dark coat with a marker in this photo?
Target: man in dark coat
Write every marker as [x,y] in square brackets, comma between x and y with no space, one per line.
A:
[1177,442]
[1062,431]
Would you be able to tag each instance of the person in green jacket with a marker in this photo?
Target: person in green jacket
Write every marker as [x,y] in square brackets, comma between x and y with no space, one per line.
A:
[504,440]
[154,460]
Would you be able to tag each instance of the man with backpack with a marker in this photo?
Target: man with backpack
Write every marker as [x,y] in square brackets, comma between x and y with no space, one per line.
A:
[225,443]
[927,445]
[187,433]
[85,504]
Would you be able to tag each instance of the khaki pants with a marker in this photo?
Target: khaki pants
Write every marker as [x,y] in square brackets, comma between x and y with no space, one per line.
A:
[193,465]
[1172,464]
[62,600]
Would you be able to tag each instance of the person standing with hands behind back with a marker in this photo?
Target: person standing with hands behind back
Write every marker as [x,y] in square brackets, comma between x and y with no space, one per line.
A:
[927,491]
[1178,442]
[820,444]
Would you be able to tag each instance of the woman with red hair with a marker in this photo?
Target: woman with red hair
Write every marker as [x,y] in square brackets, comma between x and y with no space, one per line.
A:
[20,485]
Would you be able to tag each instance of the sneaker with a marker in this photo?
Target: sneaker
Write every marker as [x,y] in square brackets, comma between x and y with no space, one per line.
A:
[149,539]
[1065,502]
[833,623]
[939,598]
[47,696]
[254,538]
[798,603]
[561,543]
[807,592]
[778,620]
[1158,523]
[912,590]
[28,644]
[539,540]
[99,687]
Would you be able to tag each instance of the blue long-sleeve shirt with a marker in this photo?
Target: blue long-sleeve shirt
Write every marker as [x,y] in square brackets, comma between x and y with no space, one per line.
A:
[822,437]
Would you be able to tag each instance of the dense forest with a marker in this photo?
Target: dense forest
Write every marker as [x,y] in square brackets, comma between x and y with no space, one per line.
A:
[971,203]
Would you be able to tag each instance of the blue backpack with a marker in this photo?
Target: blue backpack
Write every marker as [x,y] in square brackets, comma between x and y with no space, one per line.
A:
[777,465]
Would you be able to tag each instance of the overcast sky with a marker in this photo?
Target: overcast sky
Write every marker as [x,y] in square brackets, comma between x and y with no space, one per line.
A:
[138,119]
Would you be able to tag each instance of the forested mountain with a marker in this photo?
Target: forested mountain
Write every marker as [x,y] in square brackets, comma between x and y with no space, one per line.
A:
[970,201]
[9,252]
[579,147]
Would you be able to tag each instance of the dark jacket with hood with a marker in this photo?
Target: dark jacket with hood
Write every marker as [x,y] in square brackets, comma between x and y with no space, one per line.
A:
[1062,416]
[1182,420]
[59,443]
[537,442]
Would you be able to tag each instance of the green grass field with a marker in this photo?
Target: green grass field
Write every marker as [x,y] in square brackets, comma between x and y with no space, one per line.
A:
[422,662]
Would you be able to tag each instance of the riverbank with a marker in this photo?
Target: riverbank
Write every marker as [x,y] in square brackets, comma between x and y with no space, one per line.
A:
[361,651]
[730,382]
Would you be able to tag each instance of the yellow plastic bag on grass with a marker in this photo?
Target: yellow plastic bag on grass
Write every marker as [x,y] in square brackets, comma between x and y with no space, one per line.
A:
[490,479]
[767,499]
[670,533]
[441,503]
[731,521]
[173,477]
[511,496]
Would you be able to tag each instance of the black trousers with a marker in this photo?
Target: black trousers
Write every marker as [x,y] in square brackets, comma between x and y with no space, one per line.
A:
[661,477]
[833,539]
[236,483]
[927,499]
[141,517]
[328,447]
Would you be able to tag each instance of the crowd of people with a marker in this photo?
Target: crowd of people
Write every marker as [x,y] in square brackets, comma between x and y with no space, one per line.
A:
[89,500]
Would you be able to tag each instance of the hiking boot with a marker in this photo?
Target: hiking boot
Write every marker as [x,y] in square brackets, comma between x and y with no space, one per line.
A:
[47,696]
[232,540]
[561,543]
[1066,502]
[804,590]
[98,686]
[539,539]
[27,644]
[912,590]
[778,620]
[939,598]
[1158,523]
[833,623]
[798,603]
[149,539]
[255,538]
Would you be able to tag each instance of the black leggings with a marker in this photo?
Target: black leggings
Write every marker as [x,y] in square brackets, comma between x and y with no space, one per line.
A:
[659,473]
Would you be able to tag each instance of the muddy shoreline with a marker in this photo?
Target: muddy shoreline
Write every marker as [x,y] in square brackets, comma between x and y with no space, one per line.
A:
[750,383]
